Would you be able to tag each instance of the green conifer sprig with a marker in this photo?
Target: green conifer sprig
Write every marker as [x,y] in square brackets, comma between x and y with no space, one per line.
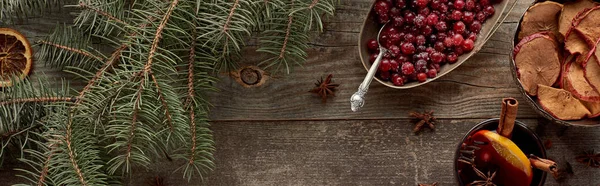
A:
[148,66]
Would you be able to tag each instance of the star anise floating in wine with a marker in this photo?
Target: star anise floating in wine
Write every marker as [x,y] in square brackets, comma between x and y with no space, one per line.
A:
[423,120]
[486,179]
[325,88]
[590,158]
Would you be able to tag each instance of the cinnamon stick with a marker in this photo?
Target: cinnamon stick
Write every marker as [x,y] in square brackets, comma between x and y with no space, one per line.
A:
[545,165]
[508,116]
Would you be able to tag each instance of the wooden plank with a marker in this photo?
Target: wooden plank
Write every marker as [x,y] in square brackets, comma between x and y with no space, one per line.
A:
[350,152]
[365,152]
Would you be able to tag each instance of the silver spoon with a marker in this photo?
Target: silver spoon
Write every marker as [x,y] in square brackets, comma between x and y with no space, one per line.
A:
[358,99]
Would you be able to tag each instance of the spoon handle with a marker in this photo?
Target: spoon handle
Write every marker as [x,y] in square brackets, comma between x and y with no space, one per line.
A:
[358,99]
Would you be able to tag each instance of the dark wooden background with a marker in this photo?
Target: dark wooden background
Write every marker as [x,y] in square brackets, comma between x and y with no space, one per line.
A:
[279,134]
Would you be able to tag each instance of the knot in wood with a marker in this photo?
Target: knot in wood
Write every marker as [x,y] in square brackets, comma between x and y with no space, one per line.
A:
[250,76]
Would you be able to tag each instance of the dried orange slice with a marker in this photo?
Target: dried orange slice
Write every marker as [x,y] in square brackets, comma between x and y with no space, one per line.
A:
[15,56]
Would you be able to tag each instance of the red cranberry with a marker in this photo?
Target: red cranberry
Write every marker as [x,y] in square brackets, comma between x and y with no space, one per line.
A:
[422,3]
[432,19]
[469,5]
[373,57]
[400,4]
[381,7]
[397,80]
[408,48]
[395,38]
[480,16]
[456,15]
[430,50]
[419,21]
[420,40]
[409,17]
[459,27]
[443,8]
[423,55]
[395,12]
[422,77]
[459,4]
[402,58]
[468,45]
[441,36]
[443,1]
[409,38]
[441,26]
[427,30]
[437,57]
[394,50]
[383,19]
[424,11]
[431,73]
[457,39]
[448,42]
[372,44]
[397,21]
[459,50]
[384,75]
[435,4]
[451,58]
[436,67]
[489,10]
[421,66]
[408,68]
[472,36]
[475,27]
[484,2]
[385,65]
[421,48]
[468,17]
[395,65]
[439,46]
[478,7]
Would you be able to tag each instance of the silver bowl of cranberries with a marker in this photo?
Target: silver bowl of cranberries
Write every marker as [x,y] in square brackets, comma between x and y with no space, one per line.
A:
[427,38]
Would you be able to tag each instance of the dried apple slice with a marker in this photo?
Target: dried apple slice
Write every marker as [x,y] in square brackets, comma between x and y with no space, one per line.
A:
[561,103]
[575,44]
[569,11]
[540,17]
[538,61]
[578,84]
[593,107]
[588,25]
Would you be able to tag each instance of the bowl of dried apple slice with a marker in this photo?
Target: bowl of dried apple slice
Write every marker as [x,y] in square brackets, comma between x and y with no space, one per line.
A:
[555,60]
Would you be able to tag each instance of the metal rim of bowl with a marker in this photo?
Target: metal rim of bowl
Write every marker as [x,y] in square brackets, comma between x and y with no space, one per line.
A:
[479,125]
[389,84]
[528,99]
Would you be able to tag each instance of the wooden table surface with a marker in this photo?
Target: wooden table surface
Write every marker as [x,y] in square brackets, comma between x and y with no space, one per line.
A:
[279,134]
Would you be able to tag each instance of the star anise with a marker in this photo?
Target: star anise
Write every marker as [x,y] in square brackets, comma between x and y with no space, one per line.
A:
[325,88]
[423,120]
[423,184]
[486,179]
[590,158]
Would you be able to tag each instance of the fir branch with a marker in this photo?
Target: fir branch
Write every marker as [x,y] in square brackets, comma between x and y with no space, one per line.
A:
[38,100]
[85,53]
[158,34]
[103,13]
[71,152]
[163,102]
[231,13]
[287,37]
[45,167]
[114,57]
[11,133]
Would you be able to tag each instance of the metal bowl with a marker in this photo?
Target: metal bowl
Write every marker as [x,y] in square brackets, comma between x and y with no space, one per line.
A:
[370,28]
[530,100]
[528,141]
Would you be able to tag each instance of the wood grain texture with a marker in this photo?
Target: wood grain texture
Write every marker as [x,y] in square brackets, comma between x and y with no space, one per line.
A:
[279,134]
